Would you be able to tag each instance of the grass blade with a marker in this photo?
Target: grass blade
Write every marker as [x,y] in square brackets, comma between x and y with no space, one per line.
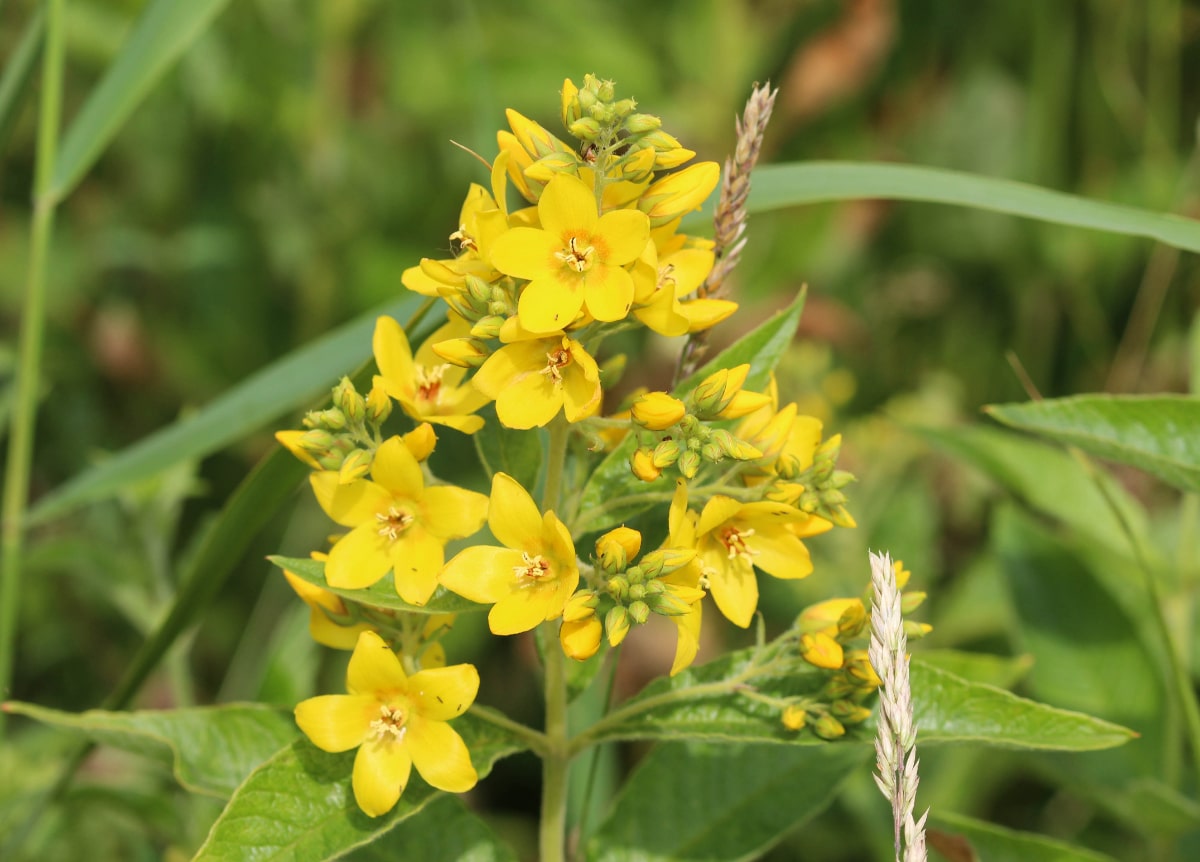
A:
[18,72]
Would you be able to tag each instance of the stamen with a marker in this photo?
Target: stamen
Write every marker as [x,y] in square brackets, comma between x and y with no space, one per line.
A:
[465,241]
[391,722]
[666,277]
[393,522]
[577,257]
[533,567]
[429,381]
[734,541]
[556,360]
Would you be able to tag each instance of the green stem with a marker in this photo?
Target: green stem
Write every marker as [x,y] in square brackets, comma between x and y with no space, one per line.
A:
[536,740]
[29,366]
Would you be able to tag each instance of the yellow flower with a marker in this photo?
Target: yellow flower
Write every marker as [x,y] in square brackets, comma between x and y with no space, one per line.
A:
[734,537]
[680,192]
[396,722]
[397,523]
[575,260]
[480,221]
[830,616]
[527,143]
[821,650]
[532,381]
[657,411]
[428,389]
[324,608]
[529,579]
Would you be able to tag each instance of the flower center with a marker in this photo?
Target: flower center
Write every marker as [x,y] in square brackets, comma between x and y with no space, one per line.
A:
[577,255]
[393,522]
[556,360]
[390,723]
[734,541]
[533,568]
[465,241]
[666,277]
[429,381]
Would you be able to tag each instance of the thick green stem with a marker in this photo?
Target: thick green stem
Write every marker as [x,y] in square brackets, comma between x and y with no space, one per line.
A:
[20,442]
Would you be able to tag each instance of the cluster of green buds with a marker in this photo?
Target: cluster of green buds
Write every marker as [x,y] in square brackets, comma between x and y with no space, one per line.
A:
[833,636]
[671,432]
[816,489]
[485,306]
[622,593]
[344,436]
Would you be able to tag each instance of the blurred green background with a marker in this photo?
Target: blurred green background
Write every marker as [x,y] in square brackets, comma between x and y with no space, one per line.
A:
[279,180]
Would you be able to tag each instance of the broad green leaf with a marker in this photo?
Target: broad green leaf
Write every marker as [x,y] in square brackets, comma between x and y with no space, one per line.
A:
[294,380]
[444,831]
[299,806]
[720,802]
[165,30]
[701,704]
[509,450]
[211,750]
[780,186]
[947,708]
[381,594]
[1002,671]
[945,832]
[1154,433]
[605,497]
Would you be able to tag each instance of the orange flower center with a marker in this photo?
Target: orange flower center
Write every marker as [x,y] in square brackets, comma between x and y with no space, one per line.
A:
[578,254]
[533,568]
[556,361]
[429,381]
[393,522]
[465,241]
[390,724]
[734,541]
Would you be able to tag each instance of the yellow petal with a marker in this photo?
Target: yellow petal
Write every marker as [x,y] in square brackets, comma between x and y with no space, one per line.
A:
[445,692]
[525,252]
[483,573]
[704,314]
[440,755]
[374,668]
[359,559]
[530,401]
[381,770]
[521,610]
[568,205]
[397,470]
[392,353]
[326,632]
[626,233]
[453,513]
[732,585]
[580,639]
[780,553]
[581,390]
[291,441]
[688,641]
[336,722]
[351,504]
[717,510]
[551,303]
[608,292]
[513,517]
[417,558]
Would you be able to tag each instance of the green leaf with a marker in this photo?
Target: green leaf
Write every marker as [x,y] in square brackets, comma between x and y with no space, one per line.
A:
[605,497]
[1153,433]
[720,803]
[781,186]
[299,806]
[443,831]
[947,708]
[297,379]
[166,29]
[381,594]
[509,450]
[1001,671]
[18,73]
[993,843]
[702,704]
[211,750]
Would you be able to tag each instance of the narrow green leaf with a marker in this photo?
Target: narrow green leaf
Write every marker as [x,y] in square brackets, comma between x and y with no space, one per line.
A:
[602,503]
[18,73]
[299,806]
[211,750]
[509,450]
[696,706]
[994,843]
[284,385]
[381,594]
[1153,433]
[780,186]
[947,708]
[1002,671]
[166,29]
[444,831]
[720,803]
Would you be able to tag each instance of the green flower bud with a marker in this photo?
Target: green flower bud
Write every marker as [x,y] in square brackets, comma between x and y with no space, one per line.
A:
[637,124]
[616,623]
[487,327]
[637,592]
[618,588]
[347,399]
[379,405]
[587,129]
[828,727]
[605,91]
[668,604]
[479,292]
[332,419]
[635,574]
[689,464]
[354,466]
[665,454]
[639,612]
[849,712]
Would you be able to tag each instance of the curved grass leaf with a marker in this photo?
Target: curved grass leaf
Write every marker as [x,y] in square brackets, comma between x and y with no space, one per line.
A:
[165,30]
[720,803]
[444,831]
[602,503]
[299,806]
[296,379]
[947,833]
[381,594]
[1153,433]
[780,186]
[211,750]
[18,73]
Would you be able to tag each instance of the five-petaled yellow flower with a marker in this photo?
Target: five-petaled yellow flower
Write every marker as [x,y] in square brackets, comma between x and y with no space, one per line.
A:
[533,380]
[428,388]
[397,722]
[397,523]
[528,580]
[575,259]
[734,537]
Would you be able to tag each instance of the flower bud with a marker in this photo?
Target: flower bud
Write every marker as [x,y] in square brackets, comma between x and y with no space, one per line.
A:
[744,403]
[642,464]
[639,612]
[347,399]
[916,630]
[858,666]
[734,448]
[580,639]
[316,441]
[635,574]
[820,650]
[657,411]
[794,717]
[420,441]
[463,352]
[679,192]
[618,588]
[569,102]
[487,327]
[910,601]
[668,603]
[637,592]
[354,466]
[665,454]
[479,292]
[605,91]
[828,727]
[616,623]
[616,547]
[637,124]
[379,405]
[689,464]
[332,419]
[293,442]
[849,712]
[825,616]
[716,391]
[585,128]
[712,452]
[580,606]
